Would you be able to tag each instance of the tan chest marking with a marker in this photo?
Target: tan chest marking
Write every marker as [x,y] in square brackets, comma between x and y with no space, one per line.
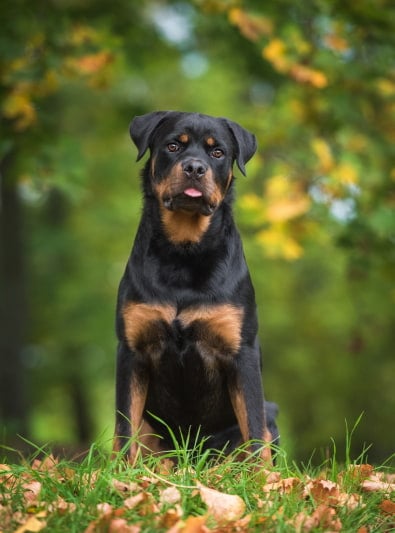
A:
[223,321]
[216,325]
[184,227]
[143,321]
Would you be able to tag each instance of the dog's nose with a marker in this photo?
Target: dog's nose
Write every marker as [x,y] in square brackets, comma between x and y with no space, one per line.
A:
[194,168]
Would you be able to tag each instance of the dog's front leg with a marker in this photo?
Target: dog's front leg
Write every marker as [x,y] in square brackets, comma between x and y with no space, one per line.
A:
[131,394]
[246,395]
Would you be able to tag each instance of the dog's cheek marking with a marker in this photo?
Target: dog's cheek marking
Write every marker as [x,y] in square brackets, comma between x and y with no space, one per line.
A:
[168,185]
[213,190]
[218,327]
[141,322]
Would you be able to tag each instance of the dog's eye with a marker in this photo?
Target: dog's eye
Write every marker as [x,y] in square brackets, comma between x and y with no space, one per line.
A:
[217,153]
[173,147]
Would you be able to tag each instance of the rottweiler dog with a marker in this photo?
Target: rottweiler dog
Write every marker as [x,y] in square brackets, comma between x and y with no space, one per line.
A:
[189,361]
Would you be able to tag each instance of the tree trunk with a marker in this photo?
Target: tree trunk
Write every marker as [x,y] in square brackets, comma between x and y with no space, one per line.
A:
[14,411]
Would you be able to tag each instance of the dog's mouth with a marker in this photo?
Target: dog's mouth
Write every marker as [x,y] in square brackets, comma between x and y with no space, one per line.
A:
[191,200]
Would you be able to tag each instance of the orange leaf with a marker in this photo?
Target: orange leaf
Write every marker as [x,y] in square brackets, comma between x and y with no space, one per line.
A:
[388,507]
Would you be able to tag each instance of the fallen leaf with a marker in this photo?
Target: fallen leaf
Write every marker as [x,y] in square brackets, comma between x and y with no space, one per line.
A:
[323,516]
[61,506]
[122,487]
[283,486]
[372,485]
[223,507]
[104,508]
[120,525]
[388,507]
[170,496]
[193,524]
[31,492]
[170,517]
[133,501]
[33,524]
[324,491]
[44,465]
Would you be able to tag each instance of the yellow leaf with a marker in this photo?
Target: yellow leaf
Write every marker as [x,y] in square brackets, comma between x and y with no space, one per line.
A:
[285,199]
[346,174]
[32,524]
[251,26]
[18,106]
[277,244]
[275,53]
[324,153]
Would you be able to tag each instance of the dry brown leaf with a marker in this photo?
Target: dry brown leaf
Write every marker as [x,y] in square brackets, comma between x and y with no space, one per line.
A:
[104,508]
[133,501]
[283,486]
[47,464]
[120,525]
[170,496]
[61,506]
[122,487]
[170,517]
[33,524]
[223,507]
[388,507]
[324,491]
[323,516]
[351,501]
[31,492]
[360,472]
[373,485]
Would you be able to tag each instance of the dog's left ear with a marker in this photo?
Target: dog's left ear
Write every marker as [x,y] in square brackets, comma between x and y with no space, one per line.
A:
[245,143]
[142,127]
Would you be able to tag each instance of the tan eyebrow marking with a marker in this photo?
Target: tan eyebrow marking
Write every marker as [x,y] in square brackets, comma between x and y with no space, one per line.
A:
[211,141]
[184,138]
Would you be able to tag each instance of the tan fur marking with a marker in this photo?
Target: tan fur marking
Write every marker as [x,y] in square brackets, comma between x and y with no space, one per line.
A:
[183,138]
[148,440]
[223,320]
[240,409]
[210,141]
[153,161]
[182,226]
[138,396]
[137,316]
[266,453]
[185,226]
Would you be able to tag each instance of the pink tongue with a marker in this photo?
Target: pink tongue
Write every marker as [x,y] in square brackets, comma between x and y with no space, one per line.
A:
[194,193]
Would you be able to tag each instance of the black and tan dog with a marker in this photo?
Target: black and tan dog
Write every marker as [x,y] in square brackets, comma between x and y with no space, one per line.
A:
[186,317]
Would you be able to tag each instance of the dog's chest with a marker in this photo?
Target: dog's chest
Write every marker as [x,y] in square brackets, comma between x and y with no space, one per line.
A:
[154,331]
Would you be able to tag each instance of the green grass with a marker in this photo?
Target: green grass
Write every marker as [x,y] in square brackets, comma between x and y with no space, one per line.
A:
[64,495]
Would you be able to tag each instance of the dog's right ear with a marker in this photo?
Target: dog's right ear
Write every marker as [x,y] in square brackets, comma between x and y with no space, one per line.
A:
[142,127]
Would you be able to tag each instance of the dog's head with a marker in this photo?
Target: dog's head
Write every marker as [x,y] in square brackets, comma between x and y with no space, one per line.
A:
[192,157]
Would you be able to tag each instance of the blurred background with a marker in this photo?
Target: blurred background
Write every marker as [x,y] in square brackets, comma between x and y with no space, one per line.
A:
[315,81]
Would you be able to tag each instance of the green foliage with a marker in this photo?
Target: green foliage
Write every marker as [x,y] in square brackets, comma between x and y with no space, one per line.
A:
[316,83]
